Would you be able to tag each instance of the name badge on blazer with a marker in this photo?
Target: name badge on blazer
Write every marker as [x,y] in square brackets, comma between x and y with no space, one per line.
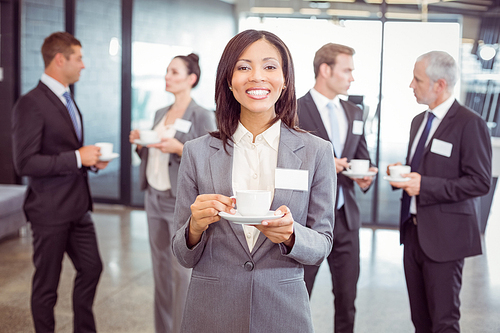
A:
[357,127]
[182,125]
[441,147]
[291,179]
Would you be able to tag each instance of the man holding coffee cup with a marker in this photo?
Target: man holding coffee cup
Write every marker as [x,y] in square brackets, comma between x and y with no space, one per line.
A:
[48,149]
[322,112]
[450,158]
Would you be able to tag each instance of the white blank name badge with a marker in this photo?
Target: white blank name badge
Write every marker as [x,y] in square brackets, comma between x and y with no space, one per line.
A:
[357,127]
[441,147]
[182,125]
[291,179]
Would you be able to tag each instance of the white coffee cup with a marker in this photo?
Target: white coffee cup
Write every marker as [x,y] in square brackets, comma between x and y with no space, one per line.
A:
[253,202]
[149,136]
[106,148]
[397,170]
[359,166]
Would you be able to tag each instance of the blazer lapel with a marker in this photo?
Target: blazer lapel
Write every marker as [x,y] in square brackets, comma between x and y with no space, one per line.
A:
[445,123]
[287,159]
[315,116]
[413,132]
[222,181]
[61,108]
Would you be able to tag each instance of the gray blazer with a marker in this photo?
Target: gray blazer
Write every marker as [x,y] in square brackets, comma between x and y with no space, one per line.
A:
[231,289]
[203,121]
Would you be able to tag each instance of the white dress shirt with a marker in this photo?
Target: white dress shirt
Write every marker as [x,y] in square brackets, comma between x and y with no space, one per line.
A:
[59,89]
[157,168]
[440,112]
[322,104]
[254,164]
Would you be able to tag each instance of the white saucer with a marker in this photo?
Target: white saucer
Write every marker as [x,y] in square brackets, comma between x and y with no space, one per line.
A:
[389,178]
[109,157]
[239,219]
[351,174]
[145,143]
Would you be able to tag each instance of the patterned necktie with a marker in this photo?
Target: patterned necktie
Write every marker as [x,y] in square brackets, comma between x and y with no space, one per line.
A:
[70,105]
[415,162]
[337,147]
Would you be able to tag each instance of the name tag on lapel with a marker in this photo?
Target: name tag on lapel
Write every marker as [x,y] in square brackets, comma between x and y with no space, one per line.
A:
[441,147]
[182,125]
[290,179]
[357,127]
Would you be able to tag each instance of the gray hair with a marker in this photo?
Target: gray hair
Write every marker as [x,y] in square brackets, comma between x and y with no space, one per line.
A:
[440,65]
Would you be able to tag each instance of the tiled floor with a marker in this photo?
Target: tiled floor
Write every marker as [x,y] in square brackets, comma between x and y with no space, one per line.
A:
[125,294]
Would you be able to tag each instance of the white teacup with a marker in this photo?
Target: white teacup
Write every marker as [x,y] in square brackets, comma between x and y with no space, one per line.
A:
[359,166]
[149,136]
[397,170]
[253,202]
[106,148]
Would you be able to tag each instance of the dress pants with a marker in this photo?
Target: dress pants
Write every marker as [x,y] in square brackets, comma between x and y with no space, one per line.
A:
[78,239]
[171,279]
[433,287]
[344,268]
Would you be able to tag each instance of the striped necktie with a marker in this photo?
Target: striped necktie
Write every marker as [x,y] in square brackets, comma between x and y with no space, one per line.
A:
[70,105]
[337,147]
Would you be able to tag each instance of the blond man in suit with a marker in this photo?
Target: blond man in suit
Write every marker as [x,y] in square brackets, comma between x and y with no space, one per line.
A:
[324,114]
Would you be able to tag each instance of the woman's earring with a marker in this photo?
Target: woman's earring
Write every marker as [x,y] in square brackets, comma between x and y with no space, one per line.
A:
[230,88]
[284,87]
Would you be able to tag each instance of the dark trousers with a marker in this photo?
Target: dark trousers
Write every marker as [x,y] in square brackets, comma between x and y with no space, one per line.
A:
[344,268]
[433,287]
[78,239]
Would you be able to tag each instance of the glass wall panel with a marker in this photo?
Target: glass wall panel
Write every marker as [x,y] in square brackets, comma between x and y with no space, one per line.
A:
[161,30]
[304,37]
[403,43]
[98,93]
[39,18]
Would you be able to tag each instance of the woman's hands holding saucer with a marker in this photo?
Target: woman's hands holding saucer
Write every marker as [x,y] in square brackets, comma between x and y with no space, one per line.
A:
[280,230]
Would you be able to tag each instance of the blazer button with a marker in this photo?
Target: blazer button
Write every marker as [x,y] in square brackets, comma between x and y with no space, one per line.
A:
[248,266]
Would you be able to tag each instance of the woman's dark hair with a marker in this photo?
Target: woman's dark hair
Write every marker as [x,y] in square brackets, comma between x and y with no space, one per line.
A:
[193,66]
[228,109]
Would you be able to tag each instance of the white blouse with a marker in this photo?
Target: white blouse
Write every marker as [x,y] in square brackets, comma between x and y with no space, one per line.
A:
[254,164]
[157,167]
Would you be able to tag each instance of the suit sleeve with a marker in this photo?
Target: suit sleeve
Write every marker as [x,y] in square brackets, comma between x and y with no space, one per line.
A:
[475,169]
[27,128]
[187,182]
[314,240]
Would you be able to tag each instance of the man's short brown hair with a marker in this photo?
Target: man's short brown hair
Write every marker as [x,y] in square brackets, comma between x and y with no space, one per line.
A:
[328,53]
[58,42]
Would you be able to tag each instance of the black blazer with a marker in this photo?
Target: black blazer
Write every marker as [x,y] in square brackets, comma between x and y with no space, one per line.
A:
[44,144]
[355,148]
[447,218]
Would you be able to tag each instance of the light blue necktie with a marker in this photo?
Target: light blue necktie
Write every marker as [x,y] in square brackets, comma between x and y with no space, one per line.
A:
[337,147]
[70,105]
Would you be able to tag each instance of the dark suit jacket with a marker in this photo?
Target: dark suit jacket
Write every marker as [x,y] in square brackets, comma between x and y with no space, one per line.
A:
[203,121]
[45,141]
[355,148]
[447,219]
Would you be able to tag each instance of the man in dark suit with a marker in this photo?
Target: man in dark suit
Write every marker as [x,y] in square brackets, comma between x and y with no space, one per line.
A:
[450,157]
[322,112]
[48,149]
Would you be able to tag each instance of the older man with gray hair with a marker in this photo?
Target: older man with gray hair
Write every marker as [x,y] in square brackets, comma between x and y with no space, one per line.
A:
[450,158]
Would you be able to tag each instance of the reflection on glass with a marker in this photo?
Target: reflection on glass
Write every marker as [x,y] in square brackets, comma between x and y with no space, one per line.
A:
[98,92]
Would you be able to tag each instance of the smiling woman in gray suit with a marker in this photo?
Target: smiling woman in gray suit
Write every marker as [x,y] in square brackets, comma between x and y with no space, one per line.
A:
[175,124]
[250,278]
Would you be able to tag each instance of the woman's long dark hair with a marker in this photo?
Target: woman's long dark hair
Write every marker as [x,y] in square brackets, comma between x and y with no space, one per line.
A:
[228,109]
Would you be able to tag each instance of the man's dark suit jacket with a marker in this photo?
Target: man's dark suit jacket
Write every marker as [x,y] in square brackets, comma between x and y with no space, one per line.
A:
[447,219]
[355,148]
[44,142]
